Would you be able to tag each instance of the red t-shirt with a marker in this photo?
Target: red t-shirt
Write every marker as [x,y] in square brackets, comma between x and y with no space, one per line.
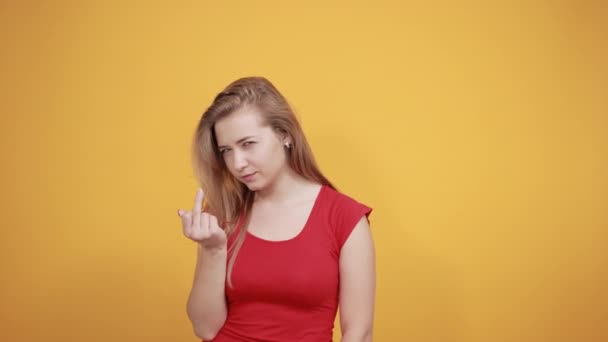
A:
[287,290]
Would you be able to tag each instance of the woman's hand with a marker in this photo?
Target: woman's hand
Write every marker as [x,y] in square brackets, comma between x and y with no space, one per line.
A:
[202,227]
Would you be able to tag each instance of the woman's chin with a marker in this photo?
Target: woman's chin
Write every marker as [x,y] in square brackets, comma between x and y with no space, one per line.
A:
[253,186]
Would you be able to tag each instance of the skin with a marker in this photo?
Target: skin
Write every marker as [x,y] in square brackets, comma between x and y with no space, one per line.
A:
[285,199]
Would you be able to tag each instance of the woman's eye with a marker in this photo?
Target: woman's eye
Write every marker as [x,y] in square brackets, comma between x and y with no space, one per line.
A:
[224,151]
[248,143]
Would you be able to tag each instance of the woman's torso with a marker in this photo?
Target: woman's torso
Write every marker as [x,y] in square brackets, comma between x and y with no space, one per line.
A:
[288,290]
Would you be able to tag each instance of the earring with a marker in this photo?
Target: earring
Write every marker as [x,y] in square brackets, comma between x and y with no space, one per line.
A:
[288,145]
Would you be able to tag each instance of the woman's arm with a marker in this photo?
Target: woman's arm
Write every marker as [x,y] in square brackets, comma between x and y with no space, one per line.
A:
[206,306]
[207,302]
[357,284]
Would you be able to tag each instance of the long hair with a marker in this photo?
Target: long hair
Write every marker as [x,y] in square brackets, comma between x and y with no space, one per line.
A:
[225,197]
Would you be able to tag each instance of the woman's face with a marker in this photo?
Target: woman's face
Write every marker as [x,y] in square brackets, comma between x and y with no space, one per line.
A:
[254,153]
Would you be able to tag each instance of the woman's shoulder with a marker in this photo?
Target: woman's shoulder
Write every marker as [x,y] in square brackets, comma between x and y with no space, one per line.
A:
[339,197]
[343,203]
[343,212]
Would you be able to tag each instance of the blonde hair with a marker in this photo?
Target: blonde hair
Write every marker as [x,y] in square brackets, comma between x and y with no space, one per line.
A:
[225,197]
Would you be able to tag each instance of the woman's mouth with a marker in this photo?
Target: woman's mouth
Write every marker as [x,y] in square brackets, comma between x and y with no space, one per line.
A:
[249,177]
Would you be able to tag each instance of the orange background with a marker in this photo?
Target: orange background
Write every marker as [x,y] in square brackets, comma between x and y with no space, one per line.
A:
[477,131]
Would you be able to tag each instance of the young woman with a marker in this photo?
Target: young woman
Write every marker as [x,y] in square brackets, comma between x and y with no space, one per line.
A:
[279,249]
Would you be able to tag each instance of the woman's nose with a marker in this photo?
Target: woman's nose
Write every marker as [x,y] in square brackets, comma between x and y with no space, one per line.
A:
[240,160]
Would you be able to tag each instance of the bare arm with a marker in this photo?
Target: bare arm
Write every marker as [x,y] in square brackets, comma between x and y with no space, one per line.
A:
[206,303]
[357,285]
[206,306]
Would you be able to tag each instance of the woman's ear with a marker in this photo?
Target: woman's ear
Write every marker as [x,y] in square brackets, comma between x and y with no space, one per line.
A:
[283,136]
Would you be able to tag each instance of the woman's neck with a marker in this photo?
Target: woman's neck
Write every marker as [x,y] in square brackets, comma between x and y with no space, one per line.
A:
[288,188]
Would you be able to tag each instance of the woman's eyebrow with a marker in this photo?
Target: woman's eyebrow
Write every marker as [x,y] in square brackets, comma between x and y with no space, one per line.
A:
[240,140]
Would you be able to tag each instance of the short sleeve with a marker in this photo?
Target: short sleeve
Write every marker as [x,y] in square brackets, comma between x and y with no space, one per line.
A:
[348,212]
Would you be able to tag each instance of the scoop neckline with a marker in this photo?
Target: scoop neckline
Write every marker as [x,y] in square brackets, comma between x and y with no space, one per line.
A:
[304,228]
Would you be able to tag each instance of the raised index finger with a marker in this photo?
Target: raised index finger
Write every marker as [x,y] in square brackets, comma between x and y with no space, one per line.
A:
[196,211]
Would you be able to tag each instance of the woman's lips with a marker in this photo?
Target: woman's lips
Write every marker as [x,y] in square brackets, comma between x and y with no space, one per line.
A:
[249,177]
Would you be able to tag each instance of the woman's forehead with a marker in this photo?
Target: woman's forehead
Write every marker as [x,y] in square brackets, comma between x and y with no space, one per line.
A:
[238,125]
